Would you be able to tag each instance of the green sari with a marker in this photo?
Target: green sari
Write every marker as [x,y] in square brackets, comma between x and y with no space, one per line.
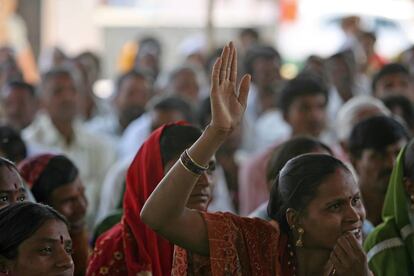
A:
[390,247]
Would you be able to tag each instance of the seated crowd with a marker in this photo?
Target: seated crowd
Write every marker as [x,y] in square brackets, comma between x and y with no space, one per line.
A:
[262,175]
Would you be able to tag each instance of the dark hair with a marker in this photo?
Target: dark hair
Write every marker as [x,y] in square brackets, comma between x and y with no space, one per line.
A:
[131,74]
[172,103]
[175,139]
[289,149]
[298,182]
[259,51]
[4,162]
[12,144]
[19,221]
[388,69]
[400,101]
[303,85]
[17,84]
[249,32]
[150,42]
[10,165]
[408,164]
[91,56]
[59,171]
[204,112]
[375,133]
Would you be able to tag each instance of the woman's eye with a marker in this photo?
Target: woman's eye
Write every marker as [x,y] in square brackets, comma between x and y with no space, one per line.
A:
[69,249]
[21,198]
[356,200]
[334,207]
[46,250]
[211,167]
[4,198]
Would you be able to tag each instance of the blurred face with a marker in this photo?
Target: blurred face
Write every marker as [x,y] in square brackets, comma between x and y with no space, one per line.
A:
[148,62]
[19,106]
[367,42]
[394,84]
[201,195]
[60,98]
[46,253]
[337,209]
[374,167]
[341,76]
[161,117]
[307,115]
[11,187]
[266,71]
[70,201]
[132,97]
[185,85]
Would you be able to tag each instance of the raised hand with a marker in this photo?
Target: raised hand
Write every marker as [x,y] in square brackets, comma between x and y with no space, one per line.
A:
[227,102]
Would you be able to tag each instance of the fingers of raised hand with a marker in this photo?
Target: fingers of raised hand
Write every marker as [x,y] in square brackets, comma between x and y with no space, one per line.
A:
[244,90]
[233,73]
[225,57]
[215,75]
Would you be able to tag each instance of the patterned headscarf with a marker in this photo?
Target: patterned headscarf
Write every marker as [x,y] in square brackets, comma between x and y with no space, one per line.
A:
[46,172]
[31,168]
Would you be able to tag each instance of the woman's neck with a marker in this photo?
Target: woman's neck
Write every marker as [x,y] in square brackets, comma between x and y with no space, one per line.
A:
[312,261]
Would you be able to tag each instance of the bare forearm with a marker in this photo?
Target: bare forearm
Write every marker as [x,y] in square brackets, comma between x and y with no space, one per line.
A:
[167,202]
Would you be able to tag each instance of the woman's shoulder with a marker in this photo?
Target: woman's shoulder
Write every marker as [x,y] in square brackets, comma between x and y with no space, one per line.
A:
[242,244]
[244,224]
[387,231]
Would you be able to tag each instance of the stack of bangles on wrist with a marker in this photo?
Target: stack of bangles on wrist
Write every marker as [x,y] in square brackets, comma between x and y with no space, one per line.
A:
[190,165]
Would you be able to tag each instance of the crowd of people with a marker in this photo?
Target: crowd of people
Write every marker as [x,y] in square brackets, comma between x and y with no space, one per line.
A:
[222,166]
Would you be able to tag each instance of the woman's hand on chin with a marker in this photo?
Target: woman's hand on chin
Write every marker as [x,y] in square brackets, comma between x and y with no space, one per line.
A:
[348,257]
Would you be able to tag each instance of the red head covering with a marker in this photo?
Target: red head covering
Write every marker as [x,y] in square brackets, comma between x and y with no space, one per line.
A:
[131,247]
[31,168]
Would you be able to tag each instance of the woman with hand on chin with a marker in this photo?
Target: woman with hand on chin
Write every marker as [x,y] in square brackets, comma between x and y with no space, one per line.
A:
[315,205]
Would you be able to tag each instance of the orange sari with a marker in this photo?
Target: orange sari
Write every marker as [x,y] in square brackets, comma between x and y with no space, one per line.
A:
[238,246]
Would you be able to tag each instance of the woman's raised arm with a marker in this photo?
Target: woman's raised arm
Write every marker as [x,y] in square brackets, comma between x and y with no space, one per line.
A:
[165,210]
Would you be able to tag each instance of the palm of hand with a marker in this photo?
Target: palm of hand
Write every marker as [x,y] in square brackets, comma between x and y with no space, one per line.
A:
[227,103]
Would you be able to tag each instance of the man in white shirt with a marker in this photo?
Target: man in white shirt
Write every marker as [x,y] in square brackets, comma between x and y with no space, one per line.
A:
[56,127]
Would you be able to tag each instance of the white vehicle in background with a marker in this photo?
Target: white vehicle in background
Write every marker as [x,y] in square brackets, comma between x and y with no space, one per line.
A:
[317,29]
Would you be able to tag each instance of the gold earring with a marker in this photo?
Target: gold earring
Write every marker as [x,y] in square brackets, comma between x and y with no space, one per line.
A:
[299,242]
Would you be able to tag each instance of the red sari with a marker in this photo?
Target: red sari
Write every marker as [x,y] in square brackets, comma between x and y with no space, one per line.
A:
[130,247]
[238,246]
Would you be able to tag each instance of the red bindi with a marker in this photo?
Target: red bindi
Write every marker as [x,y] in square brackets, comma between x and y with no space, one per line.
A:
[61,239]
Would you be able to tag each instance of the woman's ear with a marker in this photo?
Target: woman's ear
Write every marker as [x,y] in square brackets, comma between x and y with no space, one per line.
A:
[292,217]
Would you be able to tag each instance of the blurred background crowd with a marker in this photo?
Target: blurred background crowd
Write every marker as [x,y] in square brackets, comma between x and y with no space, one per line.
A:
[92,78]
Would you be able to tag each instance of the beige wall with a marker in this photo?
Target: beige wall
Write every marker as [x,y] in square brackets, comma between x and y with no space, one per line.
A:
[69,24]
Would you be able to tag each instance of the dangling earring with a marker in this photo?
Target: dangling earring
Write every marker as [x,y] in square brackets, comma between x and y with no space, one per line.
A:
[412,202]
[299,242]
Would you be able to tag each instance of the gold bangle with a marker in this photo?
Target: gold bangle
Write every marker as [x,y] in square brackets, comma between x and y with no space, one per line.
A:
[195,163]
[188,169]
[190,165]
